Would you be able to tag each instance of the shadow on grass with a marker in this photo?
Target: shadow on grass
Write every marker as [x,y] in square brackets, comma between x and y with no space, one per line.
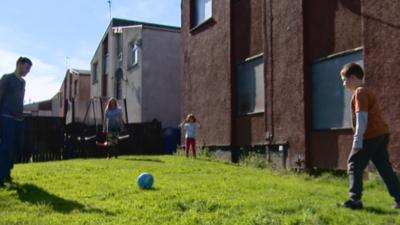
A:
[210,159]
[150,189]
[379,211]
[36,195]
[144,159]
[333,173]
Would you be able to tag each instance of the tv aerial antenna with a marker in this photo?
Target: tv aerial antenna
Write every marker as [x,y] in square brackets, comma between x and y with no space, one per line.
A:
[109,7]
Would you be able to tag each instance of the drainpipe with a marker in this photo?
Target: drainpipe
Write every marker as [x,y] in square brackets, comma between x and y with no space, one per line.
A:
[126,111]
[234,148]
[269,67]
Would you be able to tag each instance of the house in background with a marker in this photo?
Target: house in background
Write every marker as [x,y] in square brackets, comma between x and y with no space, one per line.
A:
[264,74]
[138,64]
[47,108]
[74,95]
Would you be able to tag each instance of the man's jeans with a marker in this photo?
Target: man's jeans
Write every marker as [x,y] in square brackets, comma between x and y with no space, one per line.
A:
[375,149]
[11,142]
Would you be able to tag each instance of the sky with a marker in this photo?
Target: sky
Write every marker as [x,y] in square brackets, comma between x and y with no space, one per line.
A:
[57,35]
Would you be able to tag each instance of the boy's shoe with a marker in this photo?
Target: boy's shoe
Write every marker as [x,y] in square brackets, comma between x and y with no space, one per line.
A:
[396,205]
[353,204]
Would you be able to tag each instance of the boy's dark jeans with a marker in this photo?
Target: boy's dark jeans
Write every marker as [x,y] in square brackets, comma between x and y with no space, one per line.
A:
[11,139]
[374,149]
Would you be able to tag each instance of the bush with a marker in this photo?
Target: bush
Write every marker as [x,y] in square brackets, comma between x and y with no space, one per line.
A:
[253,159]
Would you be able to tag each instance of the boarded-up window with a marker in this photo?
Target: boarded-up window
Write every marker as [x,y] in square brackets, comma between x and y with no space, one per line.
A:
[250,86]
[330,100]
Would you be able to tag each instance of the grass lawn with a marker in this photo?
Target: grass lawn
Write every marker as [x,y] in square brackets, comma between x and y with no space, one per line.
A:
[101,191]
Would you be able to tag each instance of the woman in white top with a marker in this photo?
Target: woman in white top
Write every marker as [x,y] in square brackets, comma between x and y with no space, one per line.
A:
[190,126]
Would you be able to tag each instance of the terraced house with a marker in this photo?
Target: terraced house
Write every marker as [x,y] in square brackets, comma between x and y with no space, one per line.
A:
[139,64]
[264,74]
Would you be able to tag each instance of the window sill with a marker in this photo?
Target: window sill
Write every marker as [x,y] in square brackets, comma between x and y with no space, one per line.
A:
[203,24]
[131,67]
[339,129]
[250,114]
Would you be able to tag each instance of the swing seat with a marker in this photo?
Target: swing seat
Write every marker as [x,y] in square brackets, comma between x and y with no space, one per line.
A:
[122,137]
[101,144]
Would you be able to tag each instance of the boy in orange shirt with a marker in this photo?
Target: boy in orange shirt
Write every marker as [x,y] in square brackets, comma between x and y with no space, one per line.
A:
[370,141]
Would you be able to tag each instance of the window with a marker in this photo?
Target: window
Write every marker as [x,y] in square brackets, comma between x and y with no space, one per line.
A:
[201,11]
[105,64]
[75,88]
[330,100]
[94,72]
[119,50]
[61,100]
[250,86]
[105,56]
[133,54]
[118,83]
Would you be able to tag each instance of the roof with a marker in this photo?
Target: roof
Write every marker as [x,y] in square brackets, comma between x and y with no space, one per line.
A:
[79,71]
[117,22]
[37,104]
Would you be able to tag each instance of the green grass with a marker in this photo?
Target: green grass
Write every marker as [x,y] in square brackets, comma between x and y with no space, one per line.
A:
[186,191]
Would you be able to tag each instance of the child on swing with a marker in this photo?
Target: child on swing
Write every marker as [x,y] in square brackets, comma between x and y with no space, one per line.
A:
[113,125]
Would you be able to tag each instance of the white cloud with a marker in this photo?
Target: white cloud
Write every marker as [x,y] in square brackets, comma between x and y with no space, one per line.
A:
[42,83]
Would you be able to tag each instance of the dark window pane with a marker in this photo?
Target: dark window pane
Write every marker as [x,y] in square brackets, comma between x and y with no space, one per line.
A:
[250,86]
[330,100]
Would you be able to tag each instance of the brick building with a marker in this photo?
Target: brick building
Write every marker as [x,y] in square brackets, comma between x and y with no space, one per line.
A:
[74,95]
[139,64]
[266,72]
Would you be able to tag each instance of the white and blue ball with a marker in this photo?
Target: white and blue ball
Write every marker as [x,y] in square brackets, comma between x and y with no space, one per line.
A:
[145,180]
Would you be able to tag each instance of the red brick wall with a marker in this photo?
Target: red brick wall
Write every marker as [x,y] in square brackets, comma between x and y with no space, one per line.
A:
[248,41]
[248,27]
[285,117]
[84,88]
[292,34]
[381,38]
[330,27]
[206,73]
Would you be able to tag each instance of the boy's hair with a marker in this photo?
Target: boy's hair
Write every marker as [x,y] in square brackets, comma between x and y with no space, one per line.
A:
[352,69]
[24,60]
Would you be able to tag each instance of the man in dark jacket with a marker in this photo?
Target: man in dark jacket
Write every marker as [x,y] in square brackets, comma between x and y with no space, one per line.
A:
[12,91]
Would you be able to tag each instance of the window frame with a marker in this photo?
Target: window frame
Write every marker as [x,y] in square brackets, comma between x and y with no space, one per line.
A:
[106,67]
[332,91]
[133,46]
[194,12]
[105,57]
[76,87]
[249,60]
[119,78]
[95,72]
